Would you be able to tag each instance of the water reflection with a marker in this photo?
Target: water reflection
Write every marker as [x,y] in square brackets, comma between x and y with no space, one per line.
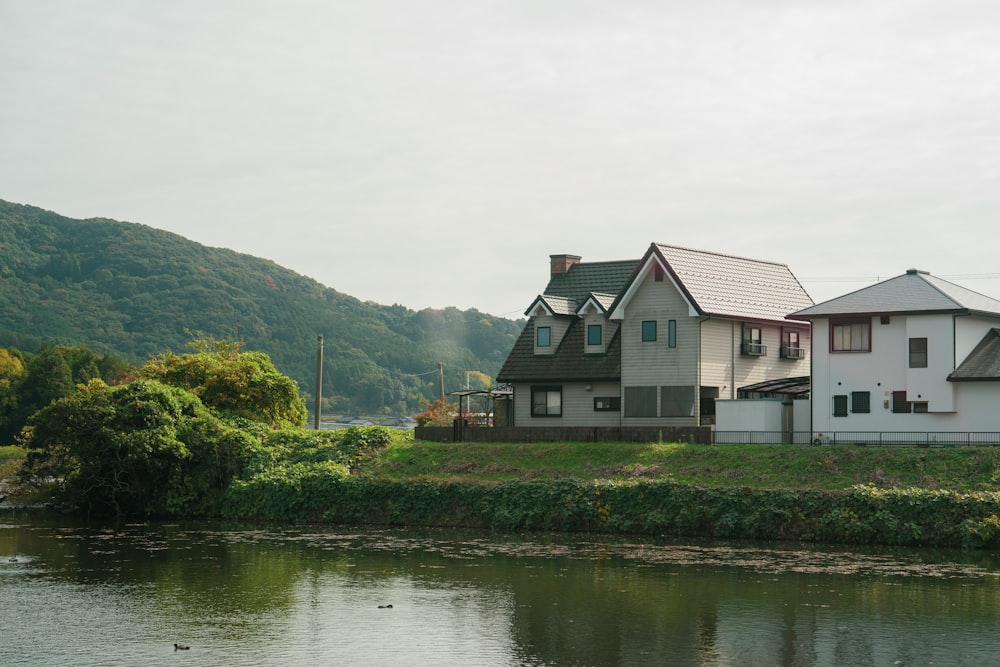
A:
[246,596]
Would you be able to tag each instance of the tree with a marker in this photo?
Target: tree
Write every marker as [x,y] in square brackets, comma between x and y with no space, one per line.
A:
[138,449]
[12,373]
[244,384]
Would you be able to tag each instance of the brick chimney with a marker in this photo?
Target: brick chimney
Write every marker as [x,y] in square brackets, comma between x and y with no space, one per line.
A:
[560,263]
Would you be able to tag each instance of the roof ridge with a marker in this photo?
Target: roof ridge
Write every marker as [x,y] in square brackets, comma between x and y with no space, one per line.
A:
[721,254]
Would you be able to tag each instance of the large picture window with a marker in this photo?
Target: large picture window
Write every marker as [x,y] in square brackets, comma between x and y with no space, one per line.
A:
[546,401]
[677,401]
[850,335]
[640,401]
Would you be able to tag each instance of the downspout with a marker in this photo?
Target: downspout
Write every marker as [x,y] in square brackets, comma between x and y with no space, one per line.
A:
[701,337]
[732,359]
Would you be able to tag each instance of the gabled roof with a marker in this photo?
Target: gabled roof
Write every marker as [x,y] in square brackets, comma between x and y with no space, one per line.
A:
[983,363]
[601,302]
[725,285]
[585,279]
[553,305]
[913,292]
[568,363]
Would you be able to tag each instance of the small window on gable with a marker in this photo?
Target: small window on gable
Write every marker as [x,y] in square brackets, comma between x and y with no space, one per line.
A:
[658,273]
[594,334]
[671,333]
[918,353]
[649,331]
[543,336]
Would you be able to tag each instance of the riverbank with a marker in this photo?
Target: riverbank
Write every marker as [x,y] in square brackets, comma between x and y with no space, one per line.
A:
[838,495]
[835,495]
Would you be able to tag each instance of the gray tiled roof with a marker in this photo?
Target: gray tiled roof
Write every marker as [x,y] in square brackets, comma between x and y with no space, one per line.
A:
[913,292]
[983,363]
[568,362]
[735,286]
[557,305]
[602,300]
[590,277]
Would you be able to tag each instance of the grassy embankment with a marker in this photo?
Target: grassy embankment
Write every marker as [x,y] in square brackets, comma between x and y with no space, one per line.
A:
[782,467]
[851,495]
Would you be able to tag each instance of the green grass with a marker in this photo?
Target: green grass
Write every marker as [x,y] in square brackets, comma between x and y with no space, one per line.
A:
[11,452]
[726,466]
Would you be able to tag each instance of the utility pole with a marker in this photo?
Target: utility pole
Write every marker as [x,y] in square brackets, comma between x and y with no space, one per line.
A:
[441,379]
[319,380]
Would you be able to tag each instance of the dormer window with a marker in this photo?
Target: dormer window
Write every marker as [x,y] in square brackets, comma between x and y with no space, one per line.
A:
[595,334]
[543,336]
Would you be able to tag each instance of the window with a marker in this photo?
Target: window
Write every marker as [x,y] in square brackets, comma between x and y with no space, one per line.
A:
[658,273]
[677,401]
[840,406]
[861,401]
[671,333]
[640,401]
[546,401]
[918,353]
[752,342]
[790,345]
[543,336]
[594,334]
[920,406]
[648,331]
[607,403]
[850,335]
[899,402]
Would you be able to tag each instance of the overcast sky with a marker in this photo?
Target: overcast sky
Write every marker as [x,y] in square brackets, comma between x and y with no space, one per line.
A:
[436,152]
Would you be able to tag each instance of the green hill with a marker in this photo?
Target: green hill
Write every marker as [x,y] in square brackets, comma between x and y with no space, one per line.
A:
[133,291]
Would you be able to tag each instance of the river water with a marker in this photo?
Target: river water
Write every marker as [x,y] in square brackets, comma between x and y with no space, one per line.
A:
[78,594]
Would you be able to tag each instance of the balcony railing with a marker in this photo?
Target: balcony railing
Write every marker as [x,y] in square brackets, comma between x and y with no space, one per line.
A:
[788,352]
[753,349]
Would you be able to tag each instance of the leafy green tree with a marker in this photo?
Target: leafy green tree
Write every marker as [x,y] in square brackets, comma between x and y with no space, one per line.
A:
[12,374]
[234,383]
[143,448]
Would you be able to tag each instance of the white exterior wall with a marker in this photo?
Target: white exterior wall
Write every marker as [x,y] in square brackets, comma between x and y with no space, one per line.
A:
[577,404]
[965,406]
[751,414]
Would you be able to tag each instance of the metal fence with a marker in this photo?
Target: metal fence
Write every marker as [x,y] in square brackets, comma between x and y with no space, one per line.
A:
[861,438]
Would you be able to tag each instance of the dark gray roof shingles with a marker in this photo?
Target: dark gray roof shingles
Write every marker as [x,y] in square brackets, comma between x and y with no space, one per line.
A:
[568,363]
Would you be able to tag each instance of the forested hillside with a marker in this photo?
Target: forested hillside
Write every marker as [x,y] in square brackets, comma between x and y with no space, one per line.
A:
[133,291]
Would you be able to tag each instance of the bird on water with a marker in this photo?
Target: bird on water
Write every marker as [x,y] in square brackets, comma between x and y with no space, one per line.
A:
[181,647]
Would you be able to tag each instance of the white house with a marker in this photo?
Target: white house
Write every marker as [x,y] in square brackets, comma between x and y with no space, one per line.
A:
[654,341]
[909,355]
